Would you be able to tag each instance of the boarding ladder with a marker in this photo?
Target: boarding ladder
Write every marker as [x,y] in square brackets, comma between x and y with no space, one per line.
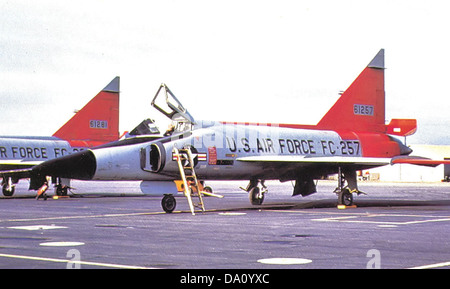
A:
[191,185]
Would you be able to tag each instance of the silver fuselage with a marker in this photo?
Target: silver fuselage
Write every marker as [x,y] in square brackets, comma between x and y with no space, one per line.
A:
[220,149]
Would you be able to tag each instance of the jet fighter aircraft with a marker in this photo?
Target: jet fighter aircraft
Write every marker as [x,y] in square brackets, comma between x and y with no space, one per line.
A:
[95,124]
[352,136]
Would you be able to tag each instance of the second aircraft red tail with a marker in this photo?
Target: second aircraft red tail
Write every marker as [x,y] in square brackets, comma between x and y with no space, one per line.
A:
[97,122]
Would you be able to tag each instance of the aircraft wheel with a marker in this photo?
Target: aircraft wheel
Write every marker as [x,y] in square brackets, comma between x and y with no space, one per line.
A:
[168,203]
[345,197]
[6,192]
[255,197]
[61,191]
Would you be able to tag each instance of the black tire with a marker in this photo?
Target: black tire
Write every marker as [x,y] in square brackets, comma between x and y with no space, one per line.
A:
[61,191]
[168,203]
[6,192]
[255,198]
[346,198]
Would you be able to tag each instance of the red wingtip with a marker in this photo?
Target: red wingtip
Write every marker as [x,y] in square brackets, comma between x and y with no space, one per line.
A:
[97,122]
[419,161]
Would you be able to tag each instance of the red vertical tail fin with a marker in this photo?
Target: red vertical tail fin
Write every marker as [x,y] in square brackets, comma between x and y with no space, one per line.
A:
[362,106]
[97,122]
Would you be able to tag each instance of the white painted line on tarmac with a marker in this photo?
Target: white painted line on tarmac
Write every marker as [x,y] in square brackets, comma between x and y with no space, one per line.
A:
[428,221]
[232,214]
[84,216]
[352,217]
[54,260]
[315,212]
[37,227]
[357,221]
[285,261]
[61,244]
[437,265]
[364,220]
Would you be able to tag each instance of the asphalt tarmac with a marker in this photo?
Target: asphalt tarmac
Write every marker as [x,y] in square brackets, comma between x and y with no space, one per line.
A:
[112,225]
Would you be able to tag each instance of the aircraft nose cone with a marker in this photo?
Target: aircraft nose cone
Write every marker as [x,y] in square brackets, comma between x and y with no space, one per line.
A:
[81,166]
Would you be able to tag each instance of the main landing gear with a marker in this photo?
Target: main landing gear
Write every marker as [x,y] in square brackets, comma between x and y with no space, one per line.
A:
[305,186]
[345,191]
[8,187]
[255,192]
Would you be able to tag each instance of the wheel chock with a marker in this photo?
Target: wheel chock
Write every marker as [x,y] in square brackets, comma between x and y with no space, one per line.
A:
[343,207]
[60,197]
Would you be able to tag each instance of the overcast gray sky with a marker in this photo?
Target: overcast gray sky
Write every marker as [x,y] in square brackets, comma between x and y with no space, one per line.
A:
[261,61]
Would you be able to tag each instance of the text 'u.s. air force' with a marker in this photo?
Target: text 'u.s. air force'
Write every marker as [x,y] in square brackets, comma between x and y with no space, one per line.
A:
[294,146]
